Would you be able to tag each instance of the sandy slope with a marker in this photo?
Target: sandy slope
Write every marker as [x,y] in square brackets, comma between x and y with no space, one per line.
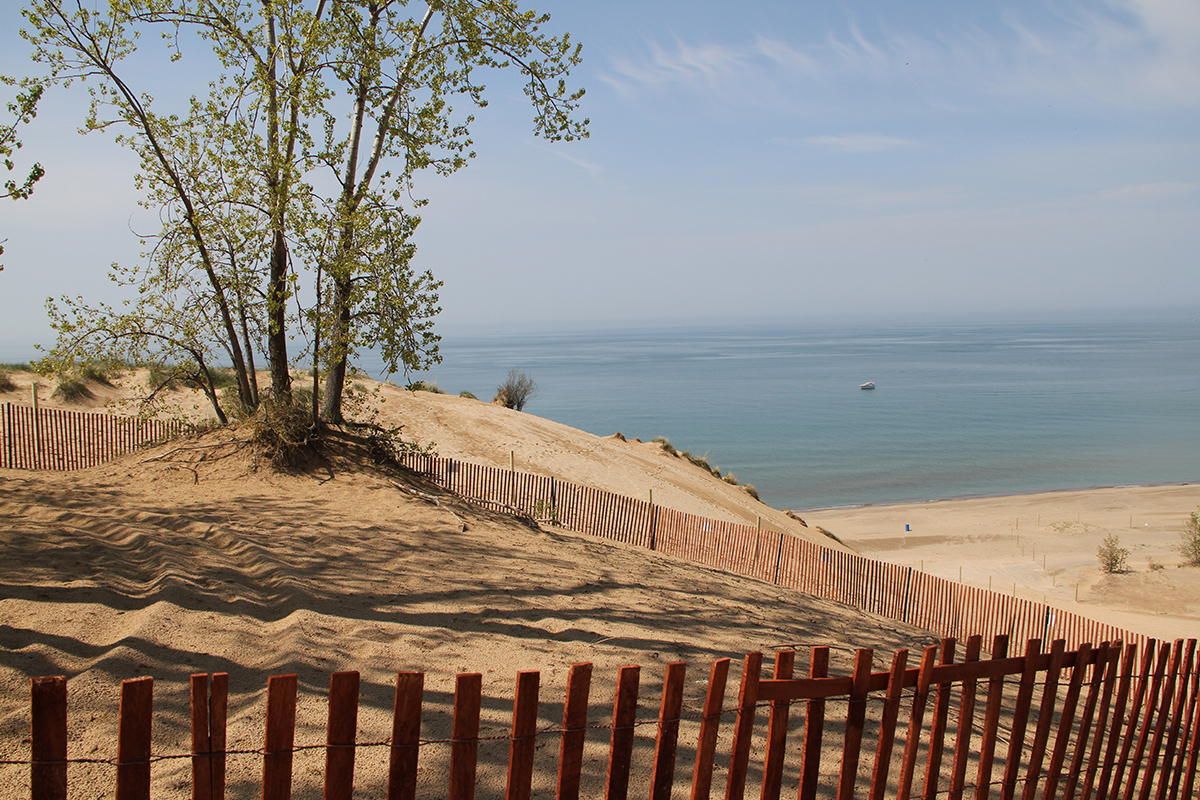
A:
[195,562]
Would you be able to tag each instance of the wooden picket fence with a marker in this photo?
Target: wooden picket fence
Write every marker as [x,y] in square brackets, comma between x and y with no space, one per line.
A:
[1094,722]
[900,593]
[58,439]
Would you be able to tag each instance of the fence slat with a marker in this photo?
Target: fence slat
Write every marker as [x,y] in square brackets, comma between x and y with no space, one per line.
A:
[739,759]
[524,726]
[991,722]
[280,737]
[856,716]
[464,740]
[662,778]
[814,728]
[201,739]
[916,721]
[1181,725]
[966,719]
[341,733]
[1145,697]
[133,739]
[570,762]
[785,661]
[710,723]
[48,738]
[937,736]
[406,736]
[620,754]
[887,725]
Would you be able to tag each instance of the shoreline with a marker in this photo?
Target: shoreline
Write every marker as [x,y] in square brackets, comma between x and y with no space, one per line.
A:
[1034,492]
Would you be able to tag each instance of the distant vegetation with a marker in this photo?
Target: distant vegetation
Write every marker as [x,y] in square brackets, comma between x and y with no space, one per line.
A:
[425,386]
[6,383]
[515,391]
[702,463]
[467,395]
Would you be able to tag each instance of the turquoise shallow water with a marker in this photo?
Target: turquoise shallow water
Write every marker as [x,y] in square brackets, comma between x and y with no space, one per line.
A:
[959,410]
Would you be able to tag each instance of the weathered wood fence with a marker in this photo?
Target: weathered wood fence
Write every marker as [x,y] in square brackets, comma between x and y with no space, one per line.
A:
[900,593]
[58,439]
[1094,722]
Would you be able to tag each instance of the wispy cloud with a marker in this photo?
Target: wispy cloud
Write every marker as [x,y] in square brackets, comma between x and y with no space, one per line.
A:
[1118,53]
[592,168]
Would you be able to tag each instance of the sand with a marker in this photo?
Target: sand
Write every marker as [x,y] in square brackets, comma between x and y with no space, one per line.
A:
[1046,546]
[170,562]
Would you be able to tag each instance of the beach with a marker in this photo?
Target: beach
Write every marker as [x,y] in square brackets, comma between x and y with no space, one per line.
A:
[1044,547]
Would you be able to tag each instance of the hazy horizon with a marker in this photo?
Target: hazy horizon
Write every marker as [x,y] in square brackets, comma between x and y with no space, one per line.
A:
[818,161]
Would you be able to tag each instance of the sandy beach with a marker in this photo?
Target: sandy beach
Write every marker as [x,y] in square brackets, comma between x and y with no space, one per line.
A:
[1045,546]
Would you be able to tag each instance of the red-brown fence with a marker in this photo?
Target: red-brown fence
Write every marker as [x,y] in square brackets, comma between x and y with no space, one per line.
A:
[57,439]
[900,593]
[1095,722]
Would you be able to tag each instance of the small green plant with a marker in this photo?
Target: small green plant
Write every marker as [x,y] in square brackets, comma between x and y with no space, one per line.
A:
[467,395]
[545,510]
[1189,546]
[1113,557]
[6,382]
[750,490]
[666,445]
[425,386]
[73,390]
[729,478]
[515,391]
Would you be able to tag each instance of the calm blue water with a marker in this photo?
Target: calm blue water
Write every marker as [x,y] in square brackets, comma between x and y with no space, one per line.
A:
[960,410]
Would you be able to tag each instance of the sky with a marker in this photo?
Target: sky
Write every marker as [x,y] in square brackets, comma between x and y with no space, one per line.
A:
[755,159]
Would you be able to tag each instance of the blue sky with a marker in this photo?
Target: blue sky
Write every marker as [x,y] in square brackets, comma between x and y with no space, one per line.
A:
[758,159]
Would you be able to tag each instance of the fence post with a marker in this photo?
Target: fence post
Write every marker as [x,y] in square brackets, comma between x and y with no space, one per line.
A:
[340,735]
[524,727]
[406,735]
[570,762]
[620,752]
[133,739]
[48,739]
[663,775]
[464,741]
[280,736]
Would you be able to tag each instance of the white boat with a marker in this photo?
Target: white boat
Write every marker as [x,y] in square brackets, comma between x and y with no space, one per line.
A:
[868,385]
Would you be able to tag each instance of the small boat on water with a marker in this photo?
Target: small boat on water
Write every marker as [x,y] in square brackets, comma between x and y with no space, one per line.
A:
[868,385]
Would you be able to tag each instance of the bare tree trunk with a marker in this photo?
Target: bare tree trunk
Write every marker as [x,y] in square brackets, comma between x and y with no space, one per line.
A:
[339,335]
[281,379]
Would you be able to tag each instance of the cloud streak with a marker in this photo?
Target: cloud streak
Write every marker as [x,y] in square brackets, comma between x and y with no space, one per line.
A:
[1140,54]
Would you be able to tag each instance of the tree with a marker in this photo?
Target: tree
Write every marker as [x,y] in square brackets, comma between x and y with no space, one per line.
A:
[1189,546]
[23,109]
[239,174]
[1113,558]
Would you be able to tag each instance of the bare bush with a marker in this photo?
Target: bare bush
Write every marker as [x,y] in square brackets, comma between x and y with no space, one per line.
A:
[515,391]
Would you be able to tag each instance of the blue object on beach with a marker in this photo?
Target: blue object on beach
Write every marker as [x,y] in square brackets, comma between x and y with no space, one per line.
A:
[907,528]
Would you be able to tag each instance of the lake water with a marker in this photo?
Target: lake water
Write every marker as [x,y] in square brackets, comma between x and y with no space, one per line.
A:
[959,410]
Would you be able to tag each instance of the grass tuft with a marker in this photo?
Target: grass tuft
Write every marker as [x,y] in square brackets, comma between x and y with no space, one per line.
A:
[425,386]
[73,390]
[6,382]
